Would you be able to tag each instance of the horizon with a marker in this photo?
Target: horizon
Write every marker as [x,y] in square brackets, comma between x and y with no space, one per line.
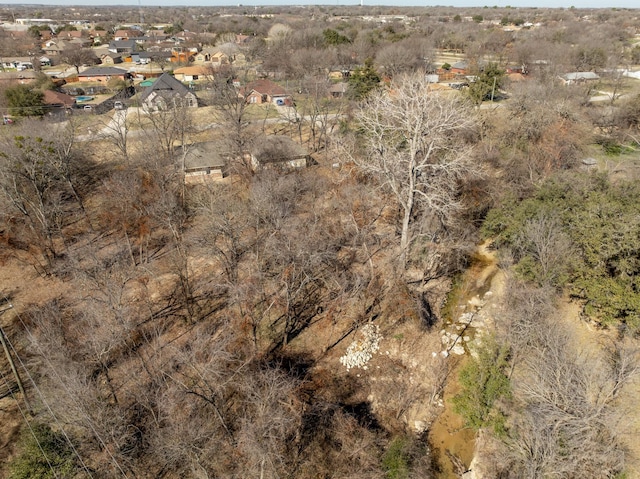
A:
[562,4]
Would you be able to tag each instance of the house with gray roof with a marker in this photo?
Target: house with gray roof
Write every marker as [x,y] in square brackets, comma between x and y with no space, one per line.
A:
[579,77]
[278,151]
[202,162]
[103,74]
[167,92]
[122,46]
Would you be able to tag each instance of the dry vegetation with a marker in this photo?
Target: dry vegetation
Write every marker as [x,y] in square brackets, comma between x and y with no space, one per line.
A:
[197,331]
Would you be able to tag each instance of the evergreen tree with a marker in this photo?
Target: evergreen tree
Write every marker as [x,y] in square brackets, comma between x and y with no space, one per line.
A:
[363,81]
[25,101]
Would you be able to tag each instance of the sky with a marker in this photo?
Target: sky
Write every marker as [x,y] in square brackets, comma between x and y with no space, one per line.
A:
[454,3]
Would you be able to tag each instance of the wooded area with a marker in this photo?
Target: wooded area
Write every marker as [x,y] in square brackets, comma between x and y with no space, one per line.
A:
[291,322]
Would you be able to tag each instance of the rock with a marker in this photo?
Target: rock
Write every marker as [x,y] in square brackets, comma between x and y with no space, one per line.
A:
[419,426]
[458,349]
[476,301]
[488,294]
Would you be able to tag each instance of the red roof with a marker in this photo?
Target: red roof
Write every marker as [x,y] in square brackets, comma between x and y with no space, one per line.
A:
[266,87]
[56,98]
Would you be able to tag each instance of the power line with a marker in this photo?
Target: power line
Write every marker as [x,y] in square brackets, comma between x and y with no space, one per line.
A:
[44,401]
[69,394]
[26,421]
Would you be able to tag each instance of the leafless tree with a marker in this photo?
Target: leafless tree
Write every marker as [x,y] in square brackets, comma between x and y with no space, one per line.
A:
[405,56]
[116,132]
[320,114]
[168,126]
[566,417]
[544,239]
[413,145]
[232,107]
[30,183]
[77,56]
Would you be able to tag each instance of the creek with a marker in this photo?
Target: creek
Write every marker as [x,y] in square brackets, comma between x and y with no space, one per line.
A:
[466,317]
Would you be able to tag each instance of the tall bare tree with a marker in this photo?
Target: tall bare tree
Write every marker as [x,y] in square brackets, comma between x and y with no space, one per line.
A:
[413,143]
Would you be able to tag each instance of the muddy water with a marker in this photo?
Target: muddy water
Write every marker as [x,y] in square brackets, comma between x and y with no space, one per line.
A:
[447,435]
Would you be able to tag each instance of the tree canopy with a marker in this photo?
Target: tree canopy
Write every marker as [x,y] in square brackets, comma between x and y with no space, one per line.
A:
[25,101]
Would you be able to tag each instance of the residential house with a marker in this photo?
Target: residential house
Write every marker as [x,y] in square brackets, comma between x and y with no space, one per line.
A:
[459,68]
[204,56]
[265,91]
[339,73]
[202,162]
[213,56]
[54,47]
[111,58]
[69,34]
[16,63]
[141,57]
[181,56]
[219,58]
[338,90]
[156,36]
[185,36]
[126,34]
[277,151]
[57,102]
[103,74]
[193,73]
[579,77]
[516,69]
[167,92]
[57,47]
[15,77]
[98,36]
[123,46]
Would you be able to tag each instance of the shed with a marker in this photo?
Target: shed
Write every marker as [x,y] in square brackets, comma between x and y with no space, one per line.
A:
[202,162]
[278,151]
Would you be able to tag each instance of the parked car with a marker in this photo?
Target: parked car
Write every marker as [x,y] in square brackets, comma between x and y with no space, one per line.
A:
[118,105]
[87,108]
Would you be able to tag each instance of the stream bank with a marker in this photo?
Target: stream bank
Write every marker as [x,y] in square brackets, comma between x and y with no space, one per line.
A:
[469,315]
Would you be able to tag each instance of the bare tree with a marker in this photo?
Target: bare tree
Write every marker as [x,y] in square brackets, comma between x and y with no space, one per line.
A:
[168,126]
[413,145]
[232,108]
[30,184]
[116,132]
[77,56]
[567,414]
[405,56]
[545,241]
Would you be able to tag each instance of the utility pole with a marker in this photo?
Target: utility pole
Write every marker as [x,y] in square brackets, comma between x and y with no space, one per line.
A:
[493,89]
[14,370]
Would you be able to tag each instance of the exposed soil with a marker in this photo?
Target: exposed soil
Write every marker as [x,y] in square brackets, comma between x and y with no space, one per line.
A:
[447,435]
